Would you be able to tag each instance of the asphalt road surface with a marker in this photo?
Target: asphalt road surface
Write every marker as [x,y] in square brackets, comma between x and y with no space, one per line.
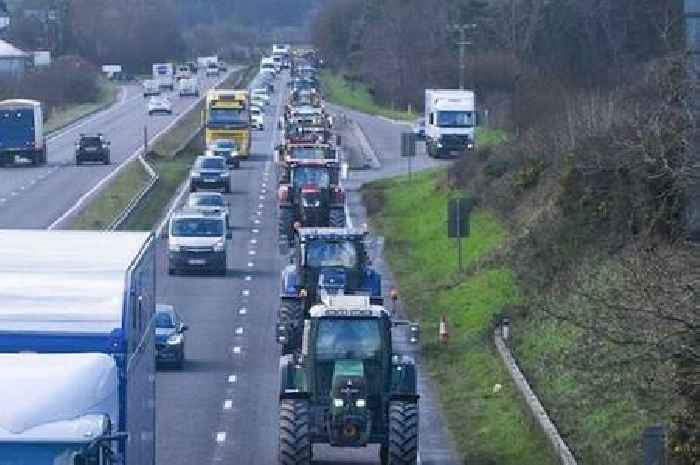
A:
[222,408]
[35,197]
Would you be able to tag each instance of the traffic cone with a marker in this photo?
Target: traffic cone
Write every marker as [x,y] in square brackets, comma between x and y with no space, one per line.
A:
[443,332]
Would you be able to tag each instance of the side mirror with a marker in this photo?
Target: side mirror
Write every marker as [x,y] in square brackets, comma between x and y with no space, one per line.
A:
[338,140]
[184,328]
[229,235]
[414,333]
[282,333]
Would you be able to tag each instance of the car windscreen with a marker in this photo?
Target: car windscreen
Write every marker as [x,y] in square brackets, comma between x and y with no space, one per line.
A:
[331,254]
[350,338]
[211,164]
[90,141]
[228,115]
[197,227]
[310,175]
[164,320]
[224,144]
[309,153]
[455,119]
[207,201]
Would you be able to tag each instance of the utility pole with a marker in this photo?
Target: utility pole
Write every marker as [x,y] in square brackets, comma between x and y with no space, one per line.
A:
[463,44]
[691,12]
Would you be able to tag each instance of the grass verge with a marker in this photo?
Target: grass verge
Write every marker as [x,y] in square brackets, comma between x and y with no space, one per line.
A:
[356,96]
[172,168]
[488,422]
[62,117]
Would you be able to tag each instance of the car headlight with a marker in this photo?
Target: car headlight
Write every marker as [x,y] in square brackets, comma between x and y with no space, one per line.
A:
[220,246]
[439,145]
[361,403]
[338,403]
[174,248]
[196,174]
[224,174]
[174,340]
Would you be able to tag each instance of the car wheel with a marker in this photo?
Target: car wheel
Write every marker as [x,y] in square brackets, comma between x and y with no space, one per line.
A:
[171,271]
[107,161]
[77,161]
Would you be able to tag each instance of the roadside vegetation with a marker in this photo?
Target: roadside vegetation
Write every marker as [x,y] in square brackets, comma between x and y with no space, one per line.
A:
[590,188]
[356,95]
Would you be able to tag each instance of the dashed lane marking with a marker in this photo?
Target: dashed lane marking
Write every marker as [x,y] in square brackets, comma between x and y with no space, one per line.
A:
[233,379]
[221,437]
[237,350]
[228,404]
[242,311]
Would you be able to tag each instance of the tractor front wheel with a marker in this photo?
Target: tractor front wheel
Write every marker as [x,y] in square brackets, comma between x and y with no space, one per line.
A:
[337,217]
[286,222]
[403,433]
[295,433]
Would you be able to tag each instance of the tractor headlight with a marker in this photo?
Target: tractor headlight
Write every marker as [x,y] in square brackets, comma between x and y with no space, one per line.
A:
[220,246]
[439,145]
[338,403]
[174,340]
[361,403]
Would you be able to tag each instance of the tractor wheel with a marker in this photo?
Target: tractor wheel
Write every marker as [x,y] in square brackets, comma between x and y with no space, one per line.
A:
[292,312]
[403,433]
[336,218]
[295,433]
[285,221]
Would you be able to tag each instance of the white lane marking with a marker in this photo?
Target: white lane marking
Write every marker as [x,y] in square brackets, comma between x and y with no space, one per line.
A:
[239,331]
[260,213]
[237,350]
[245,292]
[263,191]
[251,264]
[261,205]
[13,194]
[257,221]
[3,200]
[228,404]
[232,379]
[105,111]
[251,252]
[242,311]
[221,437]
[97,187]
[262,197]
[253,241]
[255,231]
[248,278]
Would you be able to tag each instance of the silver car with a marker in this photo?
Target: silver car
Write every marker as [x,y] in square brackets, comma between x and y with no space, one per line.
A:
[209,202]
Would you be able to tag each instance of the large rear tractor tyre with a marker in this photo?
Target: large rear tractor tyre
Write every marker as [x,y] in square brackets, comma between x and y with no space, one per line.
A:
[292,313]
[285,224]
[295,433]
[336,218]
[403,433]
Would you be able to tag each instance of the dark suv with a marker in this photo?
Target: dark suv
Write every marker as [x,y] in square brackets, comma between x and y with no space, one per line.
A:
[210,172]
[92,148]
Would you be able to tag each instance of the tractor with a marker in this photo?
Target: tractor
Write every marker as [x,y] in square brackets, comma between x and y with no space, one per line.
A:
[349,387]
[310,195]
[324,261]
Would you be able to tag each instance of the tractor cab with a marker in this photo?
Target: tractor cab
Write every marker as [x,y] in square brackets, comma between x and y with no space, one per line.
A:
[348,386]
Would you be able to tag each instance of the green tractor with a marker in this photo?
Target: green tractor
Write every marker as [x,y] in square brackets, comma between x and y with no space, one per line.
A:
[348,387]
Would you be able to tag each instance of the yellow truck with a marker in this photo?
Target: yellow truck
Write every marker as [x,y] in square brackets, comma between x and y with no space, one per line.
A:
[227,116]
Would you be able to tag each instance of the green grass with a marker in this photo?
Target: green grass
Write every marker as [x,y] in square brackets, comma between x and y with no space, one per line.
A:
[105,208]
[62,117]
[357,96]
[490,428]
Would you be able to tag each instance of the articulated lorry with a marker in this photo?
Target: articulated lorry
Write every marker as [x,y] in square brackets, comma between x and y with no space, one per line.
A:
[77,362]
[450,121]
[164,74]
[22,132]
[227,116]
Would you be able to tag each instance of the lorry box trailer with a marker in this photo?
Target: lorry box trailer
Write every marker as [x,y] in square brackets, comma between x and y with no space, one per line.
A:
[79,293]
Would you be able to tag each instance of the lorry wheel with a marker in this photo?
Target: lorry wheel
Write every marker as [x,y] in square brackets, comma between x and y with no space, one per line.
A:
[107,161]
[285,222]
[336,218]
[403,433]
[295,434]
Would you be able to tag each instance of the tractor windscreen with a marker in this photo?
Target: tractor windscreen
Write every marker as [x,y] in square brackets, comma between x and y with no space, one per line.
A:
[311,175]
[309,153]
[322,254]
[349,339]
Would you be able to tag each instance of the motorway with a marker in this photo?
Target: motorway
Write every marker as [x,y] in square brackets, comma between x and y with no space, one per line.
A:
[35,197]
[222,408]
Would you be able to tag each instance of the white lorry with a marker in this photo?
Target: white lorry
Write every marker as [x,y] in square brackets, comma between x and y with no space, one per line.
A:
[151,87]
[189,87]
[268,65]
[22,132]
[164,73]
[203,62]
[450,121]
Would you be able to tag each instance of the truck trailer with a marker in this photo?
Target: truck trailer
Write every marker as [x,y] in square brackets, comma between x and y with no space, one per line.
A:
[22,132]
[450,120]
[77,313]
[164,73]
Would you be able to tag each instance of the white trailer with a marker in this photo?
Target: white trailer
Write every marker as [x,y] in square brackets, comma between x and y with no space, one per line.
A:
[164,73]
[450,121]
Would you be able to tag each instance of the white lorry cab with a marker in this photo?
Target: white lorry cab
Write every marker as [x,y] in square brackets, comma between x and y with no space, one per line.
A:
[189,87]
[164,73]
[450,121]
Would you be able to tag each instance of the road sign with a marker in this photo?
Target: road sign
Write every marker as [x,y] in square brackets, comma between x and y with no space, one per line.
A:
[408,144]
[458,211]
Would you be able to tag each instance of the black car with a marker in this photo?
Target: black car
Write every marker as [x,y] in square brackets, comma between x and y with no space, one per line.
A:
[93,148]
[210,172]
[170,336]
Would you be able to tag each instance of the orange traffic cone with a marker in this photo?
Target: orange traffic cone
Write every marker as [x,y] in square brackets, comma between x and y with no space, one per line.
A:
[443,332]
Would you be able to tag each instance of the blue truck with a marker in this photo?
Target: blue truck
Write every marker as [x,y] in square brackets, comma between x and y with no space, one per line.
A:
[22,132]
[77,308]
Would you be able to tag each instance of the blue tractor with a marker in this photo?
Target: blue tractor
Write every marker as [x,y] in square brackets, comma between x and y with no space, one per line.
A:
[324,261]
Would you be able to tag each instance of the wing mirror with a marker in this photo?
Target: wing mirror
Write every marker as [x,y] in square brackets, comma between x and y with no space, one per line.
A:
[184,328]
[229,235]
